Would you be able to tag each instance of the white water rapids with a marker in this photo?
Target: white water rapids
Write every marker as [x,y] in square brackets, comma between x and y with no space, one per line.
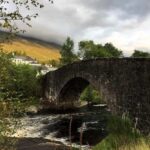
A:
[55,127]
[34,127]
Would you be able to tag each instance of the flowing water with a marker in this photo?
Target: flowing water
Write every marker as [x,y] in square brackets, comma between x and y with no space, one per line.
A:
[86,126]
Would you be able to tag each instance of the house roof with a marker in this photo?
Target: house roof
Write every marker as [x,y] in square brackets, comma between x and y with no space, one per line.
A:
[25,58]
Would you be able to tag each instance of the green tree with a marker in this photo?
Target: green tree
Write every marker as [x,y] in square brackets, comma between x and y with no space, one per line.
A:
[140,54]
[90,95]
[90,50]
[112,50]
[16,81]
[87,95]
[8,22]
[23,81]
[67,52]
[6,107]
[5,65]
[18,84]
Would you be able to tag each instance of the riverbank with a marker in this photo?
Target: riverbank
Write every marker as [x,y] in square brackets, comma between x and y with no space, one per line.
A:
[39,144]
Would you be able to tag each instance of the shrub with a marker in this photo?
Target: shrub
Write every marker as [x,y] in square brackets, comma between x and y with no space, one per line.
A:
[91,95]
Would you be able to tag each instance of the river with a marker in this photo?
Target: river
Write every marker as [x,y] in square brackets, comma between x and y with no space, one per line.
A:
[86,126]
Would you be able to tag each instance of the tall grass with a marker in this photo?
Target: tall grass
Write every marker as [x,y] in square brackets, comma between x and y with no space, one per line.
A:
[122,136]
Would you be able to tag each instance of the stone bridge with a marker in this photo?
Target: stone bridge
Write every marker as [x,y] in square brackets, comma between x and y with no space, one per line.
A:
[123,83]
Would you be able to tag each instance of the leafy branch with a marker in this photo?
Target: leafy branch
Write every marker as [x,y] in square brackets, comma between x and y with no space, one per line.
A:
[10,13]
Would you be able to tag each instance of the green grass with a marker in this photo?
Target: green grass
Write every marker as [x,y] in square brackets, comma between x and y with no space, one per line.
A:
[113,142]
[122,136]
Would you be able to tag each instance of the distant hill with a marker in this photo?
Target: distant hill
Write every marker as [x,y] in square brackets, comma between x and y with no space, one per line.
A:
[36,49]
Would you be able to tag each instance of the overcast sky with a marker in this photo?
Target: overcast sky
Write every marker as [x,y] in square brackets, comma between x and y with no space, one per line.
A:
[125,23]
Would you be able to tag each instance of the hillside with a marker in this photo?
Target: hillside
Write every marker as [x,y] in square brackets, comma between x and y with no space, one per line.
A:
[39,50]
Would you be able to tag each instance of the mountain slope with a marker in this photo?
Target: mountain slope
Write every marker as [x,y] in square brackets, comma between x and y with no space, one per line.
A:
[39,50]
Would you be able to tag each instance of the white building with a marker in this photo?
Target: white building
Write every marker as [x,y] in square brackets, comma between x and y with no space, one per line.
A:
[42,69]
[23,60]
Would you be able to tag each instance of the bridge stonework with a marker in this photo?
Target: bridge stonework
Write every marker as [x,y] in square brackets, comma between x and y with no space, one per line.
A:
[123,83]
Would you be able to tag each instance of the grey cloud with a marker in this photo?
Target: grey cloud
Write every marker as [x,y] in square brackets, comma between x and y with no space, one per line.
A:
[90,19]
[138,8]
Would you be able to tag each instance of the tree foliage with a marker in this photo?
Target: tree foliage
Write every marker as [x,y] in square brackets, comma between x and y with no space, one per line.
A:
[5,65]
[87,94]
[10,16]
[89,50]
[6,107]
[24,81]
[17,81]
[67,52]
[140,54]
[112,50]
[91,95]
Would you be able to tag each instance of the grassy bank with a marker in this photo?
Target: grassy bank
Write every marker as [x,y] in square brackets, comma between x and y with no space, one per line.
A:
[122,136]
[113,142]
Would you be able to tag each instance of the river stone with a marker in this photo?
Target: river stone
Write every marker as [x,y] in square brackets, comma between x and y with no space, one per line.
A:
[32,110]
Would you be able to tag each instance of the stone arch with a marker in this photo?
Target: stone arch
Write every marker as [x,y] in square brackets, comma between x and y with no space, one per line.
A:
[71,91]
[73,87]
